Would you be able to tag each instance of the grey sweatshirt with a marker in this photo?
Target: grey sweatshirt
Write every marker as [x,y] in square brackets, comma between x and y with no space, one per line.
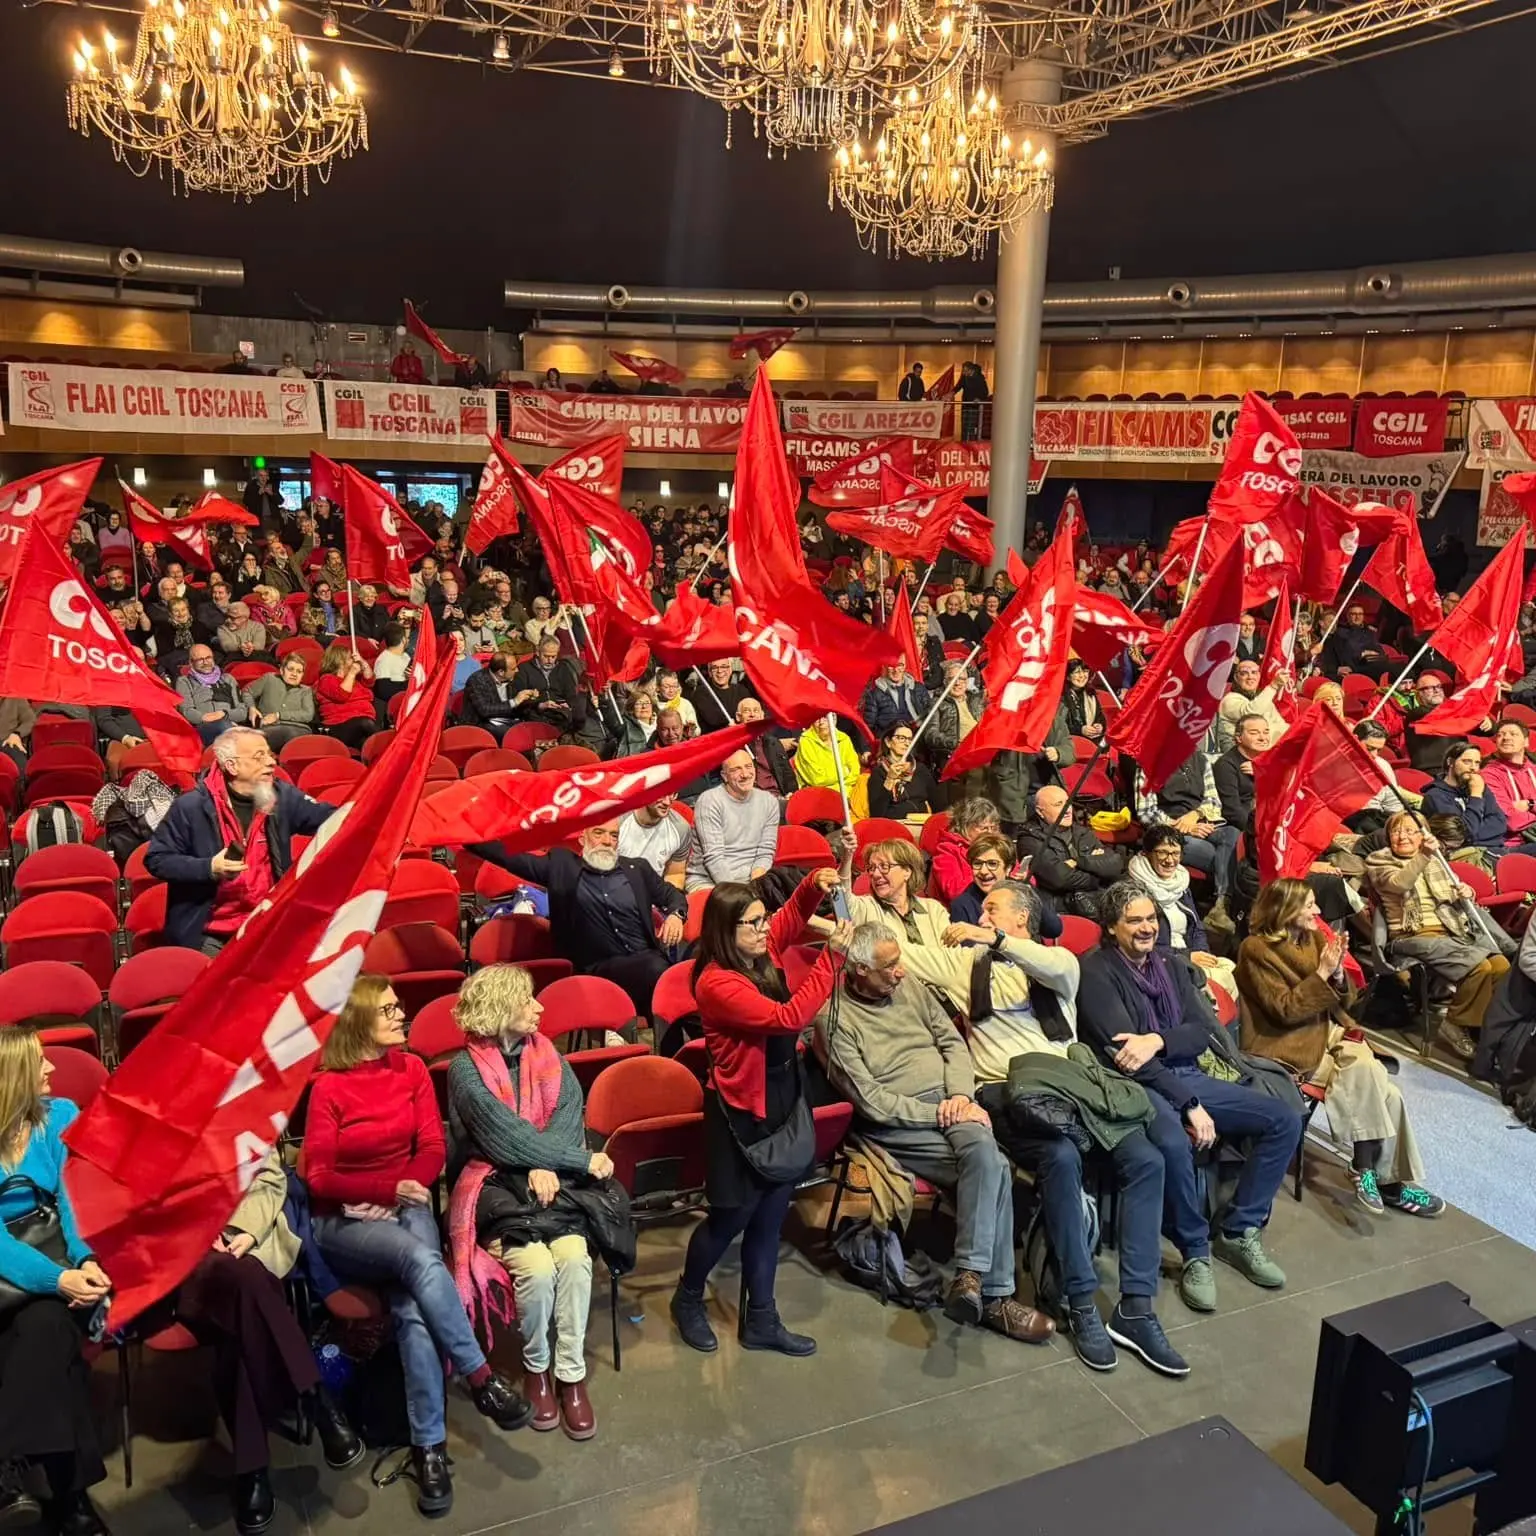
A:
[732,837]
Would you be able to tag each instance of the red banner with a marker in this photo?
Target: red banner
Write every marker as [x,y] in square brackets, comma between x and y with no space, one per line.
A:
[49,501]
[949,465]
[1172,431]
[1318,423]
[1384,428]
[650,423]
[597,466]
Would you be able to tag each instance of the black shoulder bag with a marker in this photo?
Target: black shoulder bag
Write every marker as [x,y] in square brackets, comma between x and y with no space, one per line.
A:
[40,1228]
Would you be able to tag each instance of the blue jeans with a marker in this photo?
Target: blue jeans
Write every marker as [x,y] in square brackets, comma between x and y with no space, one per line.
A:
[1239,1113]
[1058,1170]
[405,1258]
[1215,856]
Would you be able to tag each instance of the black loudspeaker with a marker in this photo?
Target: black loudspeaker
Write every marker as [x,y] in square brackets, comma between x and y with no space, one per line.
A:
[1411,1390]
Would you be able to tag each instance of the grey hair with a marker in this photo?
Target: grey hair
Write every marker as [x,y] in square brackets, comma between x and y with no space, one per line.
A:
[972,813]
[1025,898]
[864,941]
[226,745]
[1114,903]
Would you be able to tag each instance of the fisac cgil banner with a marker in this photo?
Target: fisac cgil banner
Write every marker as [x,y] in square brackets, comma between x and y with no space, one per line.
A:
[63,396]
[1410,480]
[407,413]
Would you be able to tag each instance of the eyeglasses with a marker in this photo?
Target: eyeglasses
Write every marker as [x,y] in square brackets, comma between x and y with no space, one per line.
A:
[756,924]
[987,864]
[880,867]
[391,1011]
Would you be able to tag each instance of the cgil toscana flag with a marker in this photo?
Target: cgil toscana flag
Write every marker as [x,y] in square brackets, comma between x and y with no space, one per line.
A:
[48,501]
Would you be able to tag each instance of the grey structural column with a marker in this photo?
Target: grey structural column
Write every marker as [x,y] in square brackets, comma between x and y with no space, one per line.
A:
[1020,297]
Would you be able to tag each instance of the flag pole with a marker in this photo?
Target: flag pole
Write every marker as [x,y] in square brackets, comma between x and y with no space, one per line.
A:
[719,702]
[943,694]
[708,561]
[880,577]
[1109,690]
[351,619]
[922,586]
[1449,481]
[1194,569]
[1401,678]
[1153,585]
[1339,609]
[837,763]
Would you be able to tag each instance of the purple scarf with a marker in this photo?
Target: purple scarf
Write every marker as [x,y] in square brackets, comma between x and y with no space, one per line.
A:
[1158,1001]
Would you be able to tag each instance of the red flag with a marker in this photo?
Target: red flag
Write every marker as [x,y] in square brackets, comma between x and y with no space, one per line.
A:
[162,1157]
[1331,534]
[1176,698]
[694,631]
[1103,626]
[325,478]
[495,509]
[1026,662]
[943,386]
[764,343]
[970,534]
[1262,469]
[147,523]
[382,541]
[1072,512]
[650,369]
[904,632]
[1400,571]
[803,656]
[598,467]
[911,529]
[1271,552]
[1277,667]
[1304,787]
[857,481]
[424,332]
[210,507]
[527,811]
[51,499]
[58,642]
[1481,637]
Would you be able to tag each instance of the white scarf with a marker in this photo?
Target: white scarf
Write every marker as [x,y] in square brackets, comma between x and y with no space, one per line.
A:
[1167,893]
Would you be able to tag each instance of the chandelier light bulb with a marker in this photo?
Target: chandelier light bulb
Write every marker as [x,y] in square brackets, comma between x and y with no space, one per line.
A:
[329,25]
[501,50]
[616,65]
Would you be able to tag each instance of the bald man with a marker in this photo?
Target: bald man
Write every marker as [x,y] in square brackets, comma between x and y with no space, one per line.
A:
[735,827]
[1067,860]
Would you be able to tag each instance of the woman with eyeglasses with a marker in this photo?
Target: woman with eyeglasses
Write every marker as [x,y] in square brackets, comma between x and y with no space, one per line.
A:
[899,785]
[373,1149]
[755,1119]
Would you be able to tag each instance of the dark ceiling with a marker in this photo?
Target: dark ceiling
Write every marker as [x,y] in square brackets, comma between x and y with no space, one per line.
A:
[478,176]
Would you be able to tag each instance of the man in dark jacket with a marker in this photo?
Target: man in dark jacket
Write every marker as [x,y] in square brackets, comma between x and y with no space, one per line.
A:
[225,843]
[601,909]
[1460,791]
[1142,1010]
[1067,861]
[547,688]
[912,386]
[1233,770]
[715,695]
[1352,647]
[488,696]
[892,699]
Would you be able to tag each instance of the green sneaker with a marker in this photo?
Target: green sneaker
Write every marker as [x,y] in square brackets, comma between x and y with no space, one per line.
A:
[1197,1285]
[1246,1253]
[1415,1200]
[1367,1190]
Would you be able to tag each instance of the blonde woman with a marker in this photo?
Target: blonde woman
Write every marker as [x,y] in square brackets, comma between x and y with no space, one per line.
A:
[1295,1010]
[523,1188]
[373,1148]
[45,1400]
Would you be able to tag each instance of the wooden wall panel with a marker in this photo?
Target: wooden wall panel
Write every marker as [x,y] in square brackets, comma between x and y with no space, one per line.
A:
[1409,363]
[1325,365]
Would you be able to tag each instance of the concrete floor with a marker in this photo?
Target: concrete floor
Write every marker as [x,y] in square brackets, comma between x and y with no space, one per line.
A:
[897,1413]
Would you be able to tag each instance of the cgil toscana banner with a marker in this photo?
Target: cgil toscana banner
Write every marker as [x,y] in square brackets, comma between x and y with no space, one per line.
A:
[408,413]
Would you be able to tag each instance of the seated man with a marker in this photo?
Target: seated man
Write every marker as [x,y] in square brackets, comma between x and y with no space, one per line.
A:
[601,909]
[1020,999]
[892,1050]
[715,695]
[1510,777]
[488,697]
[735,827]
[547,688]
[1065,860]
[1462,791]
[1352,647]
[770,761]
[1425,752]
[892,698]
[224,844]
[209,698]
[672,732]
[660,836]
[1246,698]
[1232,772]
[1189,803]
[1143,1011]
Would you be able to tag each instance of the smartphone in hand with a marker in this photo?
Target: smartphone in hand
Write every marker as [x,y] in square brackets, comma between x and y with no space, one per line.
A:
[840,905]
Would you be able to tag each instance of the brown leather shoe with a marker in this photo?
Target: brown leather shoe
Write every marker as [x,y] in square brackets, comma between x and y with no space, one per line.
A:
[1014,1320]
[539,1389]
[962,1301]
[576,1410]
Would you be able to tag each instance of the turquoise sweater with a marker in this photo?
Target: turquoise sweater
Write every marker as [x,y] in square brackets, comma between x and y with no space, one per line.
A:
[43,1163]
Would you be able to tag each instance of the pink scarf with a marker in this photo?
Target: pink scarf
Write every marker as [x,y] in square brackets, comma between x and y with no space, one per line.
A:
[484,1285]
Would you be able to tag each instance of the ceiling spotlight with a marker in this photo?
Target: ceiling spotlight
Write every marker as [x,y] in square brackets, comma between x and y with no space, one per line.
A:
[501,50]
[329,25]
[616,65]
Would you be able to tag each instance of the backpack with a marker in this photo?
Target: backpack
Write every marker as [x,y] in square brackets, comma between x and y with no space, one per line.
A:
[54,823]
[1040,1256]
[875,1260]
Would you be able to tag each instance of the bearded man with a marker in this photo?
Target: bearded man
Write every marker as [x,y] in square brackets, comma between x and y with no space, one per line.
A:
[225,843]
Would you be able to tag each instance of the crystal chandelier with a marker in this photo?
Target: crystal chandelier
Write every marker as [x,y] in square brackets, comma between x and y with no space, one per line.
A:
[811,72]
[221,94]
[943,176]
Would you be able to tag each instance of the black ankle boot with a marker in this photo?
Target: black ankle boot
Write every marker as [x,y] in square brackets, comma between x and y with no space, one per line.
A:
[342,1445]
[434,1482]
[254,1504]
[73,1514]
[692,1319]
[761,1328]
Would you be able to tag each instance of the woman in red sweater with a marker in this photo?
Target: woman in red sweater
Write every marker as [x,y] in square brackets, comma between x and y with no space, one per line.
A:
[759,1140]
[373,1148]
[344,697]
